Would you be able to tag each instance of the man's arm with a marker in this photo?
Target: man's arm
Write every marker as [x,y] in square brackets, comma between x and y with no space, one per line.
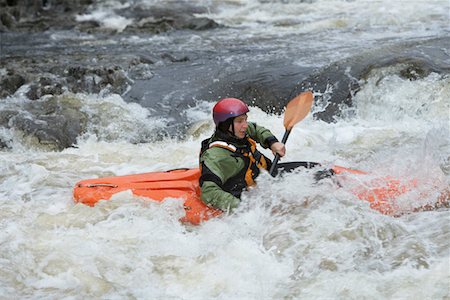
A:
[217,167]
[261,135]
[212,195]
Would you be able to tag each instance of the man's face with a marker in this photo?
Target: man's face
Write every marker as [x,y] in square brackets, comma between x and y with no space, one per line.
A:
[240,126]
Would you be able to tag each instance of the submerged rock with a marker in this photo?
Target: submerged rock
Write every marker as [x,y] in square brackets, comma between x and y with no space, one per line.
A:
[10,82]
[55,123]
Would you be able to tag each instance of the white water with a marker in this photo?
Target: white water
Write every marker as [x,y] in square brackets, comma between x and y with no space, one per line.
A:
[290,239]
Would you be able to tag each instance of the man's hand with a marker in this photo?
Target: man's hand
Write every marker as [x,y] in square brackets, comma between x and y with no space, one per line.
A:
[278,148]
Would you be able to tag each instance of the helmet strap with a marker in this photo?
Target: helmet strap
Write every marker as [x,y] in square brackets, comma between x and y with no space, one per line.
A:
[232,128]
[225,125]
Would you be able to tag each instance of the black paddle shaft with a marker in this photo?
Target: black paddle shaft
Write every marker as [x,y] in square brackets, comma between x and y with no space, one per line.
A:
[277,156]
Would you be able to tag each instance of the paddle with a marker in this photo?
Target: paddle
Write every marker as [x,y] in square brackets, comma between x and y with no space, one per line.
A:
[296,110]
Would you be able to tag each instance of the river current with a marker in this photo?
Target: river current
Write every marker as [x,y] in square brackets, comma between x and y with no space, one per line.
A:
[291,238]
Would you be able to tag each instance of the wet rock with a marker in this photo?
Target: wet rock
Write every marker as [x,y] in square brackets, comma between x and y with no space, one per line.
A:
[96,79]
[40,15]
[140,67]
[335,87]
[168,23]
[5,116]
[45,86]
[153,26]
[10,82]
[142,59]
[90,26]
[177,86]
[267,85]
[55,123]
[200,24]
[174,59]
[6,20]
[271,84]
[339,82]
[411,68]
[3,144]
[48,76]
[414,72]
[141,72]
[158,19]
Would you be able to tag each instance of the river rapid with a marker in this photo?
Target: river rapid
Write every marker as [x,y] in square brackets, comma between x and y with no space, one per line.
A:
[291,238]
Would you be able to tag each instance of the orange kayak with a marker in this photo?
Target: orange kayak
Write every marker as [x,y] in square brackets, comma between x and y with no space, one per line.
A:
[184,184]
[379,192]
[179,183]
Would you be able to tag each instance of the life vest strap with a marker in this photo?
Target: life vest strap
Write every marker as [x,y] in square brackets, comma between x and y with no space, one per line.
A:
[256,160]
[222,144]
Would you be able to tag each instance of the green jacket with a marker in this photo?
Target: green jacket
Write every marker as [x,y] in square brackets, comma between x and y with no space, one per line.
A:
[223,171]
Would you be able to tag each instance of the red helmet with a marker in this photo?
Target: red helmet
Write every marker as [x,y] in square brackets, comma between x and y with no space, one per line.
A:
[228,108]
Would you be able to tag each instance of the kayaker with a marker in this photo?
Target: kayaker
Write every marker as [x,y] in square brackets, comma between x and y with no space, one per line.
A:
[229,160]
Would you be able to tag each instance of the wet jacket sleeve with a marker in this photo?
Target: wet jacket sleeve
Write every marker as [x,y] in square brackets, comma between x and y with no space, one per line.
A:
[214,196]
[261,135]
[217,167]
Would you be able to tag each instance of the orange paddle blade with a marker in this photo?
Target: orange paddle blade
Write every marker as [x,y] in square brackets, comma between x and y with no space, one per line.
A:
[297,109]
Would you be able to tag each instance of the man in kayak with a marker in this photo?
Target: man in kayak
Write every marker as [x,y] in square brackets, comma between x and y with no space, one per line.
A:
[229,160]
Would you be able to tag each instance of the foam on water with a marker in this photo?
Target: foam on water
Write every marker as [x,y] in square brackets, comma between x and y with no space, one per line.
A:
[106,16]
[352,14]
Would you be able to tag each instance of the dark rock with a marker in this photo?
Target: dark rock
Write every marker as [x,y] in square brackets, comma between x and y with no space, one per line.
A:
[176,87]
[339,82]
[271,84]
[153,26]
[6,116]
[415,71]
[142,59]
[200,24]
[141,72]
[10,83]
[174,59]
[88,26]
[267,85]
[47,76]
[7,20]
[55,123]
[159,19]
[168,23]
[3,144]
[45,86]
[41,15]
[95,79]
